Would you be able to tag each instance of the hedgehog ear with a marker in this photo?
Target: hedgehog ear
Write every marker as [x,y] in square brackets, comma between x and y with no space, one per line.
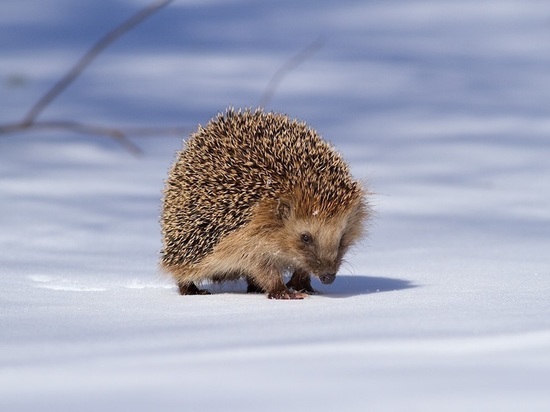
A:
[283,209]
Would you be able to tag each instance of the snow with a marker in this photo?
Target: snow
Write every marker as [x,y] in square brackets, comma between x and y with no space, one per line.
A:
[440,106]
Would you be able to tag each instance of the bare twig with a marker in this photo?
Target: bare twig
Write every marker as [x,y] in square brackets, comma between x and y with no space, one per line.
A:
[29,122]
[120,135]
[289,65]
[87,128]
[89,56]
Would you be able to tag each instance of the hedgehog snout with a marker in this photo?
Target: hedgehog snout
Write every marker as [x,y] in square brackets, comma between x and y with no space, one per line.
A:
[327,278]
[326,270]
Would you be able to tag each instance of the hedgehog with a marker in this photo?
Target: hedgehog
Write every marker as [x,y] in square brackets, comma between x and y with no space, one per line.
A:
[259,196]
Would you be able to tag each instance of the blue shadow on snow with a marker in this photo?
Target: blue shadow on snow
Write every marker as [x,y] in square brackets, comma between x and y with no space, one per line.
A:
[349,285]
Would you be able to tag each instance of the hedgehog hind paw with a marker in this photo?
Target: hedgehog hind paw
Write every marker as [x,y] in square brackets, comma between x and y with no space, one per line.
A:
[191,289]
[253,287]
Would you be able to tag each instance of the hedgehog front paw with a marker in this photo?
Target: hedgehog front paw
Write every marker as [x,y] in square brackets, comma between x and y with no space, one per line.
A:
[306,290]
[301,282]
[286,295]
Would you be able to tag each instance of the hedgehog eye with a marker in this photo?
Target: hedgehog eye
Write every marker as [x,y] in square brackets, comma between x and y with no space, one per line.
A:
[306,238]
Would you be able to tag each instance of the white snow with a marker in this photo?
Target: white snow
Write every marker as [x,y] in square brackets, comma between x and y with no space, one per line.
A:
[441,106]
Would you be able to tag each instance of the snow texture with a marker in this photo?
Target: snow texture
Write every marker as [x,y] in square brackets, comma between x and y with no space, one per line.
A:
[441,106]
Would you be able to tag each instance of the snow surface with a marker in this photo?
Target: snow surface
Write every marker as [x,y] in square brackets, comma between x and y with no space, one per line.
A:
[441,106]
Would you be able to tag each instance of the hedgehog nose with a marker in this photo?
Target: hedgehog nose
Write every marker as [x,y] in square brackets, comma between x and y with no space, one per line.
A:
[327,278]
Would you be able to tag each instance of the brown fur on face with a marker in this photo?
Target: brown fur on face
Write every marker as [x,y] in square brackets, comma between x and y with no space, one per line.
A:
[257,195]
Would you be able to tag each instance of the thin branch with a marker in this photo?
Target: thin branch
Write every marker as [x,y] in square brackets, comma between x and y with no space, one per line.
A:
[121,135]
[288,66]
[89,56]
